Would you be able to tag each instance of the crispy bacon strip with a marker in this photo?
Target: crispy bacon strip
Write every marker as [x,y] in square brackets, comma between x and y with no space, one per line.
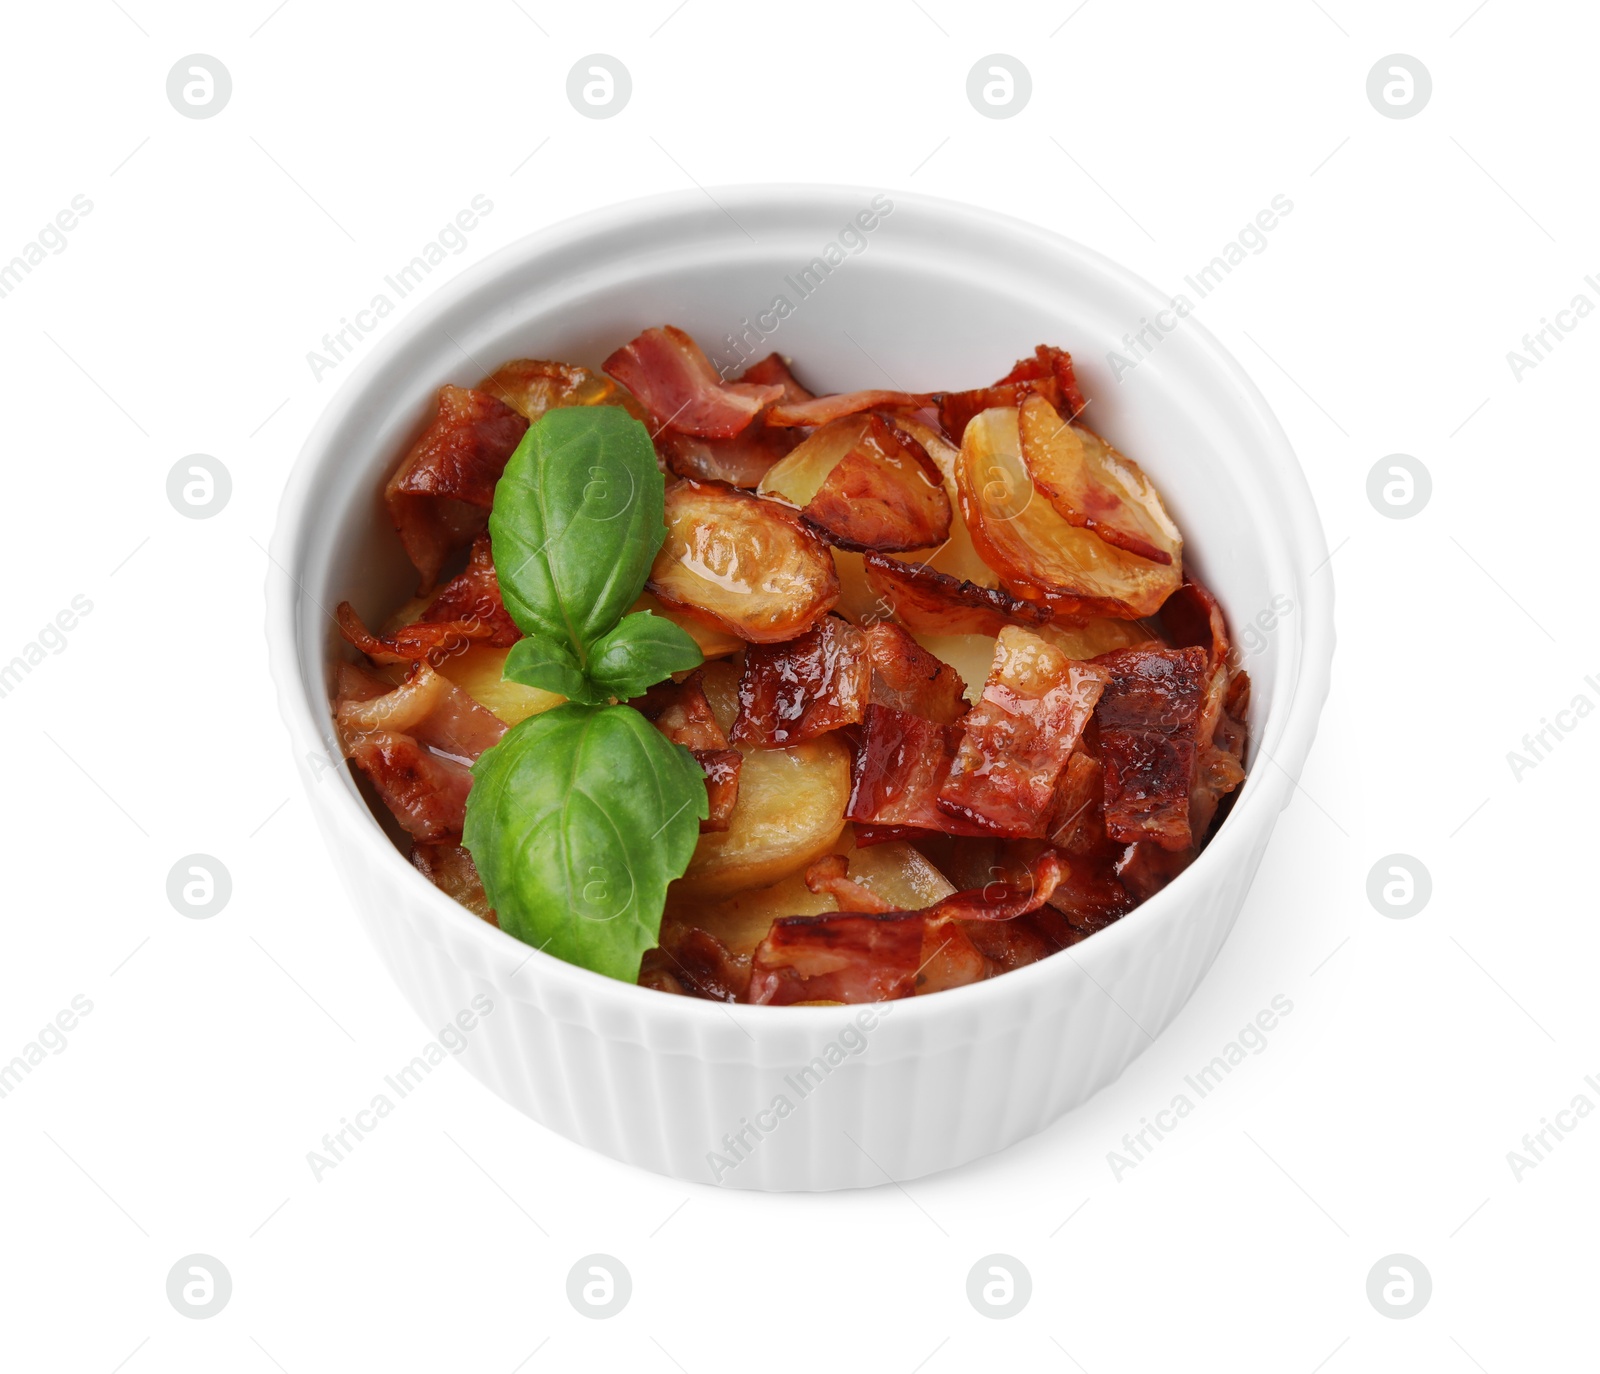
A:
[467,610]
[415,743]
[426,792]
[1048,373]
[907,677]
[1148,718]
[432,642]
[1016,740]
[831,874]
[1191,616]
[741,461]
[428,706]
[682,712]
[886,493]
[773,370]
[473,595]
[1077,822]
[694,963]
[845,957]
[440,496]
[450,868]
[674,380]
[821,409]
[931,602]
[803,687]
[1004,899]
[902,762]
[1091,897]
[721,767]
[875,956]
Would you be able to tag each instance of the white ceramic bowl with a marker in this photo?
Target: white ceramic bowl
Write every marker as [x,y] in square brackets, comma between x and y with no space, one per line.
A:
[940,295]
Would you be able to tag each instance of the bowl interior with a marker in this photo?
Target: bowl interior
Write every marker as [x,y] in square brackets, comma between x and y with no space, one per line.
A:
[933,296]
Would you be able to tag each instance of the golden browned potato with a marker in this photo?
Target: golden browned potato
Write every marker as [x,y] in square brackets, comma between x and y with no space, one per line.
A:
[477,671]
[790,811]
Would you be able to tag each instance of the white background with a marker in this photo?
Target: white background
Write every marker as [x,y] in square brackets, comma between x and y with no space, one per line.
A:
[218,1052]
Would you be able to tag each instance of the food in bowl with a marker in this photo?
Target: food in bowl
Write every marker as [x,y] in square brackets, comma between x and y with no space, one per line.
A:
[756,695]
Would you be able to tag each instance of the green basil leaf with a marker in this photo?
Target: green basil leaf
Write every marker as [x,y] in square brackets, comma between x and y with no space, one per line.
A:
[578,516]
[577,820]
[547,664]
[637,654]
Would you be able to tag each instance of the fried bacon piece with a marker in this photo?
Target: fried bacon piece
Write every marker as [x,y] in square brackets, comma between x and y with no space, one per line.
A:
[1092,897]
[692,962]
[674,380]
[803,687]
[773,370]
[750,566]
[1092,486]
[440,496]
[473,596]
[931,602]
[682,712]
[1191,616]
[1219,749]
[875,955]
[744,459]
[427,705]
[1077,822]
[450,868]
[419,642]
[1149,718]
[865,483]
[831,874]
[884,494]
[741,461]
[1048,373]
[902,762]
[844,957]
[822,409]
[1016,740]
[415,743]
[426,792]
[907,677]
[466,610]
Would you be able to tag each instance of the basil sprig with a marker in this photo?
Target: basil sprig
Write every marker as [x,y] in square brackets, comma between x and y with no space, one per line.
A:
[578,819]
[580,816]
[578,517]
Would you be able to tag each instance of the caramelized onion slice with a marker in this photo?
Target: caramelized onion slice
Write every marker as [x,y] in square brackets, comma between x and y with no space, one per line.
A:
[866,484]
[531,386]
[1093,486]
[1039,555]
[747,565]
